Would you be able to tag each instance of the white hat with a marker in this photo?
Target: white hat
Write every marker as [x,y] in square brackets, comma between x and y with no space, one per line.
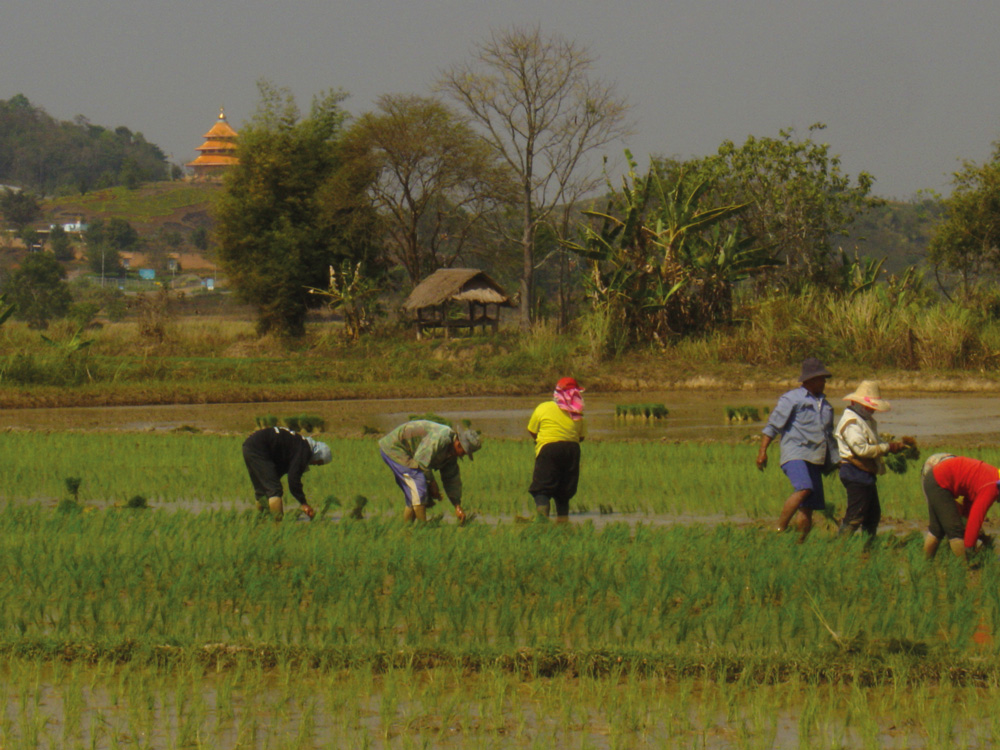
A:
[867,394]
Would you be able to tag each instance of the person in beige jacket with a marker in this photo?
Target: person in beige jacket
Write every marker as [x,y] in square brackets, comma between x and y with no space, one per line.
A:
[861,451]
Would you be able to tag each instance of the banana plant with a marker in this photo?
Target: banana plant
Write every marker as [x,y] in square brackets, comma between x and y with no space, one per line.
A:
[5,310]
[660,264]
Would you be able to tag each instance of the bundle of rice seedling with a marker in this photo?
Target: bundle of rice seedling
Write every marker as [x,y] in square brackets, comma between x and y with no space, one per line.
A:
[898,463]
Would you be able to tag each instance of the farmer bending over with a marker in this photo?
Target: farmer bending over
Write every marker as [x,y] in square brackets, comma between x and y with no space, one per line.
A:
[274,452]
[804,419]
[414,450]
[957,487]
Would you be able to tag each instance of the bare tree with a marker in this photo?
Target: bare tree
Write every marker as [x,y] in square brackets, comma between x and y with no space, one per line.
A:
[538,107]
[432,178]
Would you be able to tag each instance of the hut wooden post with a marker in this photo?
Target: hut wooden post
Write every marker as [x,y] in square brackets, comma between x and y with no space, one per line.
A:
[430,299]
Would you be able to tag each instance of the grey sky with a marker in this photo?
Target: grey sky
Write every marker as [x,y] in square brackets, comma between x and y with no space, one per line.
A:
[906,87]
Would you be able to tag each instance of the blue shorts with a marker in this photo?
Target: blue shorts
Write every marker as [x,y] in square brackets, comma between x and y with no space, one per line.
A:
[806,476]
[412,482]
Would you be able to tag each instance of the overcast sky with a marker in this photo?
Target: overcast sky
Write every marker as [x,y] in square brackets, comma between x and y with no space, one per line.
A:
[907,88]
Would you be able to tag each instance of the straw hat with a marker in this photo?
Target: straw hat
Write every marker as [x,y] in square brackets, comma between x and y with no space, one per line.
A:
[867,394]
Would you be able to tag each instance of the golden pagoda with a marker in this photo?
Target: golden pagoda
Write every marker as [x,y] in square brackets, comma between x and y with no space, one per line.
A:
[217,153]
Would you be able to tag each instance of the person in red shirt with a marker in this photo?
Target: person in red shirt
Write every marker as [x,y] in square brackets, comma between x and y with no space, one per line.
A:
[957,487]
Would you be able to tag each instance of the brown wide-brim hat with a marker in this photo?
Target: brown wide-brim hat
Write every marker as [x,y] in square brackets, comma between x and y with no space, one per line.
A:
[813,368]
[868,394]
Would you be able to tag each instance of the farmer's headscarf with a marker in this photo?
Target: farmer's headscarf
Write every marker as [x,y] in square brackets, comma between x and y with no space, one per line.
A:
[569,397]
[320,451]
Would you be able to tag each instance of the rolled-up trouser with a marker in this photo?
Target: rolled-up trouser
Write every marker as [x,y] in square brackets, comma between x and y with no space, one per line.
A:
[944,519]
[412,482]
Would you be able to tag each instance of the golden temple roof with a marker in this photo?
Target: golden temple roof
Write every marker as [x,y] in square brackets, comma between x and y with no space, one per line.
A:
[218,151]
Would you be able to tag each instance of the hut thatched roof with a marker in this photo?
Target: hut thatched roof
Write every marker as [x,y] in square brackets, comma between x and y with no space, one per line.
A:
[460,284]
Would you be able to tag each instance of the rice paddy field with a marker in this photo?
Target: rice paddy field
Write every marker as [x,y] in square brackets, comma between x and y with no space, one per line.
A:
[667,614]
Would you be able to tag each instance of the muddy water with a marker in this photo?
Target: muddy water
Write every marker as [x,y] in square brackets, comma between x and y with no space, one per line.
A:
[694,415]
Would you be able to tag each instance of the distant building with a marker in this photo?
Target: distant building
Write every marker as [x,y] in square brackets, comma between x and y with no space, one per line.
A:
[217,153]
[78,226]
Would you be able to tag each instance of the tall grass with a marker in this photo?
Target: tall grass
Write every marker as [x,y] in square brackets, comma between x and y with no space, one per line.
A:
[869,330]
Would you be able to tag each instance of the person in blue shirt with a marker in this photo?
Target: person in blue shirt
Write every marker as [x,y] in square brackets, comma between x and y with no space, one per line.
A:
[804,420]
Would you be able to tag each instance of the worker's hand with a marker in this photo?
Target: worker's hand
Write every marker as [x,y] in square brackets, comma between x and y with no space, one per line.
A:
[459,513]
[307,509]
[762,460]
[433,491]
[896,447]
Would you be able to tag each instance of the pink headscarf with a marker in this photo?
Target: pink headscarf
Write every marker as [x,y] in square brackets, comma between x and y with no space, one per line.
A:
[569,397]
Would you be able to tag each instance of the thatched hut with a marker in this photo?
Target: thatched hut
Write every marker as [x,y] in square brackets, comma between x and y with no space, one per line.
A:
[432,301]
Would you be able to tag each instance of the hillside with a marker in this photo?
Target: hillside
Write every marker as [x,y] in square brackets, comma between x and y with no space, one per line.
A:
[179,205]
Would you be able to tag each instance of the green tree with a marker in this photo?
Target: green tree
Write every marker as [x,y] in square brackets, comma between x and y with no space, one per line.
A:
[433,179]
[200,238]
[105,242]
[60,244]
[38,290]
[52,157]
[288,212]
[534,99]
[19,208]
[660,264]
[797,194]
[967,242]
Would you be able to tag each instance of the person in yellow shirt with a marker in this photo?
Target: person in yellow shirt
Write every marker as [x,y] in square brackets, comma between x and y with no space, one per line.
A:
[558,428]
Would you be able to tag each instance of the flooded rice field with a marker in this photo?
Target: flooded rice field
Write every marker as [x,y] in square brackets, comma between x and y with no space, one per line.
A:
[693,415]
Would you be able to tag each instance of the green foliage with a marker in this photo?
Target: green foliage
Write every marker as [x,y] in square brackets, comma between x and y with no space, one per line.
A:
[180,203]
[898,463]
[49,156]
[38,290]
[798,198]
[738,414]
[6,310]
[659,266]
[73,486]
[266,420]
[305,423]
[60,244]
[358,511]
[287,212]
[19,208]
[641,411]
[967,242]
[137,502]
[354,296]
[899,230]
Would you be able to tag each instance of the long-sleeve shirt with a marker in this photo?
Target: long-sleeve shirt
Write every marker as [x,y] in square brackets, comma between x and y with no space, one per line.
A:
[975,482]
[288,451]
[858,441]
[805,423]
[425,445]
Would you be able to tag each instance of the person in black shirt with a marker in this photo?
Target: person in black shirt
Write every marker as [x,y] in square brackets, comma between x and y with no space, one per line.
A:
[274,452]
